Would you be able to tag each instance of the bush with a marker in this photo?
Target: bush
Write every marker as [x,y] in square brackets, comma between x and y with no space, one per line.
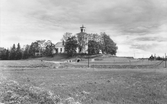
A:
[12,92]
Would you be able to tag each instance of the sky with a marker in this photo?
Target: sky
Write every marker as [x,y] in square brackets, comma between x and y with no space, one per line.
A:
[139,27]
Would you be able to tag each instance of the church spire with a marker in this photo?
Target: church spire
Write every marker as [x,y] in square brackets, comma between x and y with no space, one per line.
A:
[82,28]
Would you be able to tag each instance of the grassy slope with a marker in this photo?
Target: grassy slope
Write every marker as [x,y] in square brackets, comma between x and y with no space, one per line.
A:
[93,86]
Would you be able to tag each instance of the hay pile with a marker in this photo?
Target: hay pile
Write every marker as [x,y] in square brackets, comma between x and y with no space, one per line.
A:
[11,92]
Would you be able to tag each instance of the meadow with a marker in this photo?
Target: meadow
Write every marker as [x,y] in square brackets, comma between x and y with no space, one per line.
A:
[146,85]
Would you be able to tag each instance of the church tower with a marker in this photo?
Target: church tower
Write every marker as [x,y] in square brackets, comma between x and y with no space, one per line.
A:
[82,28]
[82,40]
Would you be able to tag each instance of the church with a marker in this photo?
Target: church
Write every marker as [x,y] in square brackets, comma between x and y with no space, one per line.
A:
[82,38]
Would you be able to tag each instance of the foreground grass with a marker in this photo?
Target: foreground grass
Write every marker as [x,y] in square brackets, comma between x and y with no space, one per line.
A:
[44,85]
[86,87]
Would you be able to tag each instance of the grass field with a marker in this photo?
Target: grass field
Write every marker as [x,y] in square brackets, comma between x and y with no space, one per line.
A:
[93,85]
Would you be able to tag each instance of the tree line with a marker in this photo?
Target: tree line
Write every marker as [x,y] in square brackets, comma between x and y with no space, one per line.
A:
[29,51]
[105,45]
[71,43]
[14,53]
[156,58]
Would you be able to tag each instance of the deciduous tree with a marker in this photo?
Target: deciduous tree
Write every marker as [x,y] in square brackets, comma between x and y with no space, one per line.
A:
[71,45]
[49,49]
[4,54]
[108,46]
[33,49]
[66,36]
[93,47]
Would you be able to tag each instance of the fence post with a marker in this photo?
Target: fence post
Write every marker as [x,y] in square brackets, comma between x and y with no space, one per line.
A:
[88,61]
[165,60]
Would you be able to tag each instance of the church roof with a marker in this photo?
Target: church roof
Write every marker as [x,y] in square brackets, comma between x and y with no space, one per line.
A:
[59,44]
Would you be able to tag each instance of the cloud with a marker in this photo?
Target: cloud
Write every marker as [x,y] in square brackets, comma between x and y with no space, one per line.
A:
[154,39]
[144,47]
[128,16]
[128,22]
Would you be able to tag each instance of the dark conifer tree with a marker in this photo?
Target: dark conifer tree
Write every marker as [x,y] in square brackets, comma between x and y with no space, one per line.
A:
[26,53]
[18,52]
[12,55]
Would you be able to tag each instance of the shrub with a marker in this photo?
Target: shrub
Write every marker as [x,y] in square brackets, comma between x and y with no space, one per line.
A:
[12,92]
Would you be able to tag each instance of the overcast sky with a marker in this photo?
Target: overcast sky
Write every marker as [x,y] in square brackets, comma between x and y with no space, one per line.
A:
[139,27]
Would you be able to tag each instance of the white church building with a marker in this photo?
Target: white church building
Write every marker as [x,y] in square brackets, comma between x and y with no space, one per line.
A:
[60,47]
[82,39]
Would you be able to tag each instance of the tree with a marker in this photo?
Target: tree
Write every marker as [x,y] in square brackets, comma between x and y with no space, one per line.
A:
[71,45]
[18,52]
[4,54]
[93,47]
[7,54]
[12,55]
[26,52]
[66,36]
[49,49]
[151,57]
[108,46]
[34,47]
